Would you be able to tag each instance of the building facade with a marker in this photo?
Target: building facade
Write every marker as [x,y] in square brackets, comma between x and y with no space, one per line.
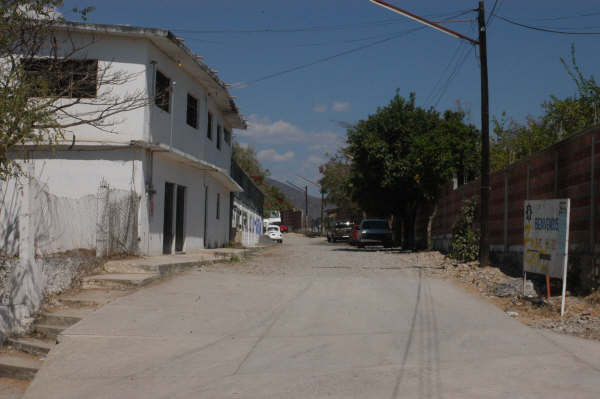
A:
[162,170]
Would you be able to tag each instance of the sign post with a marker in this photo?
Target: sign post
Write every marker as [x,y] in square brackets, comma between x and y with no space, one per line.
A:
[546,240]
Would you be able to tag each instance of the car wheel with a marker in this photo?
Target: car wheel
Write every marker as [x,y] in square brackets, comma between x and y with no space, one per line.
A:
[328,239]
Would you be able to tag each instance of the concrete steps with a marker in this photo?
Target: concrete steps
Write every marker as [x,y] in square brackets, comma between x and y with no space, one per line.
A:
[32,346]
[116,281]
[18,366]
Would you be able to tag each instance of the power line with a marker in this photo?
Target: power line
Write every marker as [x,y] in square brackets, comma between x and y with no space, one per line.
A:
[438,85]
[317,28]
[454,73]
[541,29]
[325,59]
[590,14]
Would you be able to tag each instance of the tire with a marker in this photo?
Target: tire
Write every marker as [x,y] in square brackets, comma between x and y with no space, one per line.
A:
[328,239]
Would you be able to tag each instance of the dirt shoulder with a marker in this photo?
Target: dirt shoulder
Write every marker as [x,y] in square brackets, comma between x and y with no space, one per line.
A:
[582,314]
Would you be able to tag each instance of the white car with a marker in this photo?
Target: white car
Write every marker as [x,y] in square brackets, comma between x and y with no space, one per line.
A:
[274,233]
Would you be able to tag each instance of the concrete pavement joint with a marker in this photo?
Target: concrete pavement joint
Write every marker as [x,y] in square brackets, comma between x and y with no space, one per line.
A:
[275,318]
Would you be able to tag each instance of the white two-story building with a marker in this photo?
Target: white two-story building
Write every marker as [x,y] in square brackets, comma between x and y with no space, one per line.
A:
[173,154]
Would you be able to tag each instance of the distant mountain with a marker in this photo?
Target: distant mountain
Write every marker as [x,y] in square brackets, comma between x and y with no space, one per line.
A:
[296,197]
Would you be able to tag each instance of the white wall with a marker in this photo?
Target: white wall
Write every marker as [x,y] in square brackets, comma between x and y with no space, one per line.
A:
[186,138]
[64,194]
[248,224]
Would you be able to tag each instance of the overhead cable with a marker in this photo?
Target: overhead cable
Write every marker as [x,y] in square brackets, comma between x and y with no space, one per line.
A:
[541,29]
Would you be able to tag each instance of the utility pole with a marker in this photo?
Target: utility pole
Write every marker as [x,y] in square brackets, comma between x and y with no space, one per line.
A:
[484,244]
[484,248]
[322,199]
[306,204]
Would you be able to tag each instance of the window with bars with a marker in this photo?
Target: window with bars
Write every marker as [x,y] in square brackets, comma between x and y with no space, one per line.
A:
[162,96]
[62,78]
[192,111]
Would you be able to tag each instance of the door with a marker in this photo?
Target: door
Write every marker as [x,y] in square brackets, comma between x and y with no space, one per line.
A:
[179,219]
[205,214]
[168,219]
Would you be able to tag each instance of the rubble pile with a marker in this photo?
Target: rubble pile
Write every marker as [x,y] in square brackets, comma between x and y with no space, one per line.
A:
[582,315]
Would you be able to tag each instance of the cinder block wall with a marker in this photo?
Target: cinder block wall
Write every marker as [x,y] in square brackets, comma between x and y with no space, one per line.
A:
[567,169]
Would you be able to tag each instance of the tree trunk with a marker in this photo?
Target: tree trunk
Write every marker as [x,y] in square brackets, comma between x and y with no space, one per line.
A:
[429,225]
[409,228]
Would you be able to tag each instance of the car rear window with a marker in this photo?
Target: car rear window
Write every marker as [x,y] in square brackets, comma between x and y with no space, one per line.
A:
[375,224]
[342,224]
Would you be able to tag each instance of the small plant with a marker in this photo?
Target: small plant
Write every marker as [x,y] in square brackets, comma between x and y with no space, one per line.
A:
[464,245]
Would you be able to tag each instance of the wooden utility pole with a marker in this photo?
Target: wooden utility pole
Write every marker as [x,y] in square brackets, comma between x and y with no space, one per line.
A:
[484,243]
[306,204]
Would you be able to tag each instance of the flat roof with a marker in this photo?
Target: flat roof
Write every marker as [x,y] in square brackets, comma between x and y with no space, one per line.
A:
[166,41]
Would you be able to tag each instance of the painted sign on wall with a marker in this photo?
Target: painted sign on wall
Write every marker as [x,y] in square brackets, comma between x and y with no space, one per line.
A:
[546,236]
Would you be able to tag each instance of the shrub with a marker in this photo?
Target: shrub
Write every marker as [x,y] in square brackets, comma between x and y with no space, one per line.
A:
[464,245]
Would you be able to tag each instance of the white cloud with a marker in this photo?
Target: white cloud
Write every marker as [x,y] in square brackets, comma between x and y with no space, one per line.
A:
[263,131]
[340,106]
[320,108]
[272,155]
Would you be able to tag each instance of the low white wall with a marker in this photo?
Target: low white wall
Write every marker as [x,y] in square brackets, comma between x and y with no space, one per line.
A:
[247,224]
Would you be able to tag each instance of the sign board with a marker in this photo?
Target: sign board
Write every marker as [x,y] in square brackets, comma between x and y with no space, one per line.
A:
[546,235]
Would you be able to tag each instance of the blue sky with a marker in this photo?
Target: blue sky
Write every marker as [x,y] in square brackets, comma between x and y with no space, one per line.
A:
[295,117]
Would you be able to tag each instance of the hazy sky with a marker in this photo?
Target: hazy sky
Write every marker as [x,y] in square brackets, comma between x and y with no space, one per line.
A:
[360,55]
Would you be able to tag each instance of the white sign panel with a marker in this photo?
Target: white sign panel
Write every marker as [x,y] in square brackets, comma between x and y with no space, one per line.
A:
[546,236]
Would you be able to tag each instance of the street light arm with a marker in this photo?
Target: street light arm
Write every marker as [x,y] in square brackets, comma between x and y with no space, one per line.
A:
[424,21]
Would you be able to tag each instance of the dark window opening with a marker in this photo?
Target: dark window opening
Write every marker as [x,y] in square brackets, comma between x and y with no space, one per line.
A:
[63,78]
[218,137]
[192,112]
[163,91]
[218,206]
[209,126]
[227,136]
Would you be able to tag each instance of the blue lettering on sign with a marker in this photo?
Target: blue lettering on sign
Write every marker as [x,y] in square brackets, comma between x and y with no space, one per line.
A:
[548,224]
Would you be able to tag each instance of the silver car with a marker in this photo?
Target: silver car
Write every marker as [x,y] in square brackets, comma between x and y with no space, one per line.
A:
[374,232]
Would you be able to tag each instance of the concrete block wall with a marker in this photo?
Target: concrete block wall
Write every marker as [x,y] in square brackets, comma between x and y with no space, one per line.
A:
[568,169]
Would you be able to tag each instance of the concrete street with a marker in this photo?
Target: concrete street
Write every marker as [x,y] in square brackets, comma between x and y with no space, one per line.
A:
[312,320]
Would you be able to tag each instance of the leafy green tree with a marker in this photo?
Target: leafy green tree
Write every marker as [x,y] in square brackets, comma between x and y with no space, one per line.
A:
[335,180]
[561,118]
[401,157]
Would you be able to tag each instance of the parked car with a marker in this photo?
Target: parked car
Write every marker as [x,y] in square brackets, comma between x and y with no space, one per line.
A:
[374,232]
[354,234]
[341,230]
[282,227]
[274,233]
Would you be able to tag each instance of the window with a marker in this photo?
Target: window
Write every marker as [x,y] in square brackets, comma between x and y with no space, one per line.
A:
[218,206]
[63,78]
[209,126]
[163,90]
[192,111]
[219,137]
[228,137]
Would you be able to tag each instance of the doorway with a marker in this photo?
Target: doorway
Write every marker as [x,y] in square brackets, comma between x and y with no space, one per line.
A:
[168,219]
[179,219]
[205,214]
